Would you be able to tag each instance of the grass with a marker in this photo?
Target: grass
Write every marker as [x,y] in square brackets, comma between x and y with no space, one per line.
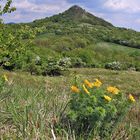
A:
[114,52]
[30,105]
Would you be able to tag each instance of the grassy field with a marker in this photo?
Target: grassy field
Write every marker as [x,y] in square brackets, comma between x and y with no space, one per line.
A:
[30,104]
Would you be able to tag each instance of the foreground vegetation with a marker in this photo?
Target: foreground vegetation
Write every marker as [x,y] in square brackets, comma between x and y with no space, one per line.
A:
[32,106]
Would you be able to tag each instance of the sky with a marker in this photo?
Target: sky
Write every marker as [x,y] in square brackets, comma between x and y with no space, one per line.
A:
[121,13]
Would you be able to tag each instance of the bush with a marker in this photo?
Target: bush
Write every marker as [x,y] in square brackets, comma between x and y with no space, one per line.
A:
[95,112]
[65,62]
[34,69]
[137,68]
[82,56]
[78,63]
[113,66]
[15,49]
[52,67]
[56,67]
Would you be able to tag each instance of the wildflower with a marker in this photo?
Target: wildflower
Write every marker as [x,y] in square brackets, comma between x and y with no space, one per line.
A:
[87,83]
[75,89]
[107,98]
[113,90]
[85,89]
[97,83]
[131,98]
[5,78]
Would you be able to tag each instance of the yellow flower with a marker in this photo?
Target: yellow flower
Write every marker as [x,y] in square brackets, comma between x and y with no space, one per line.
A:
[85,89]
[113,90]
[5,78]
[131,98]
[87,83]
[75,89]
[97,83]
[107,98]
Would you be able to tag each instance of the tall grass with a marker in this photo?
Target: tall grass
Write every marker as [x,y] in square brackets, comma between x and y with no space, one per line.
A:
[31,107]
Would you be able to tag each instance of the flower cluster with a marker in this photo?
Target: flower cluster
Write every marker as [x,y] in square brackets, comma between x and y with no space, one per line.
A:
[96,84]
[75,89]
[97,109]
[113,90]
[131,98]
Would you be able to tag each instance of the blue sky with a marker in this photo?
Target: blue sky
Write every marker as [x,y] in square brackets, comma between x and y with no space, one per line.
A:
[122,13]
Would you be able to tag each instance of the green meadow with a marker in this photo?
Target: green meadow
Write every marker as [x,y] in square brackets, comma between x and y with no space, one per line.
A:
[30,103]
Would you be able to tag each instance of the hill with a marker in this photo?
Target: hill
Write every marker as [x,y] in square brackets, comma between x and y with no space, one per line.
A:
[75,14]
[75,19]
[84,39]
[76,33]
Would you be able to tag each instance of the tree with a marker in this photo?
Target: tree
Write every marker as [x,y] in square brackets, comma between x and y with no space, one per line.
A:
[15,43]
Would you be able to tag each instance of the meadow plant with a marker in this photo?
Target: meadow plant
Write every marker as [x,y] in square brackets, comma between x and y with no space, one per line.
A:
[96,112]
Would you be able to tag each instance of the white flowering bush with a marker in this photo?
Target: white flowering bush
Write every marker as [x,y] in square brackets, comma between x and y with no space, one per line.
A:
[113,65]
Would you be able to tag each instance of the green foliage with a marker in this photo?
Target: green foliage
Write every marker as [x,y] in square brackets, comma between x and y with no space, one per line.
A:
[77,62]
[113,66]
[86,41]
[77,20]
[95,112]
[56,67]
[15,43]
[34,69]
[15,50]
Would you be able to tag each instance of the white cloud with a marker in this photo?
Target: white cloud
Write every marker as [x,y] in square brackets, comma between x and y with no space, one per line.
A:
[137,21]
[29,10]
[44,7]
[130,6]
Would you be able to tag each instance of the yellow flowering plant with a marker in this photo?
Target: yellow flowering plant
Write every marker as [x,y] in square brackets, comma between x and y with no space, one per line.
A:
[4,83]
[113,90]
[96,111]
[75,89]
[3,79]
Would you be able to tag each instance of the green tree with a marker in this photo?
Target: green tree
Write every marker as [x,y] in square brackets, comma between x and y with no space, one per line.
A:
[15,45]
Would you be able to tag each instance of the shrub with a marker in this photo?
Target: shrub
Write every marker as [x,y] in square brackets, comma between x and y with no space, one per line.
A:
[15,49]
[95,112]
[53,68]
[137,68]
[78,63]
[34,69]
[113,65]
[56,67]
[82,56]
[65,62]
